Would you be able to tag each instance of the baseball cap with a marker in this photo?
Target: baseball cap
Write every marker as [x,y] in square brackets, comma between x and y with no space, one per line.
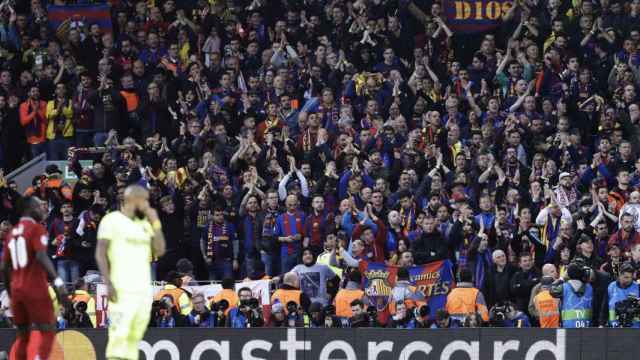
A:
[564,174]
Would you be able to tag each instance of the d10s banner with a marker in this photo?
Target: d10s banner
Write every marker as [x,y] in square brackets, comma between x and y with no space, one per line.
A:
[466,16]
[434,280]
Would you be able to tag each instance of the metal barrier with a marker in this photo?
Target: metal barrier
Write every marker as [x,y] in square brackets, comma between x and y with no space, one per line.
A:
[25,173]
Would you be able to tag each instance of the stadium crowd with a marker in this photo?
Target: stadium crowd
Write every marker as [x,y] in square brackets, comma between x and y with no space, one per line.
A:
[297,139]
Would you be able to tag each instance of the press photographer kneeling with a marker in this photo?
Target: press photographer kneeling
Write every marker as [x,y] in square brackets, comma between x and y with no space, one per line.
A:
[505,314]
[621,306]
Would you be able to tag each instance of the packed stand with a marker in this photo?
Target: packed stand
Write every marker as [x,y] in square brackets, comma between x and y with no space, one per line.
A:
[295,140]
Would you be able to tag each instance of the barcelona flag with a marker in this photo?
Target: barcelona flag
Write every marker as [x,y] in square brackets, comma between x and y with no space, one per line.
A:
[63,18]
[434,280]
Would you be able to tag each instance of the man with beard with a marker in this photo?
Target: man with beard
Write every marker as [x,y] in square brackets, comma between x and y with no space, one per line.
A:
[623,188]
[219,246]
[250,230]
[314,278]
[632,207]
[626,236]
[566,194]
[514,159]
[549,220]
[318,223]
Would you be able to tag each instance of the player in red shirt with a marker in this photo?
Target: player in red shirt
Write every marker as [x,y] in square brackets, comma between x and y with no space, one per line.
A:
[26,265]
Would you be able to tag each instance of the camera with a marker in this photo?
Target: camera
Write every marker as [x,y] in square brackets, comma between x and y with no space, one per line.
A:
[81,306]
[627,310]
[292,307]
[253,303]
[499,312]
[221,305]
[586,270]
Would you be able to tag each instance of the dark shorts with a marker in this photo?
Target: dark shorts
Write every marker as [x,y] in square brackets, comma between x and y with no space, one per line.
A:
[31,309]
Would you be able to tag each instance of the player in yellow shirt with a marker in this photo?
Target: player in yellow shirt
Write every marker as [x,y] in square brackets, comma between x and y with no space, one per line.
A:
[127,240]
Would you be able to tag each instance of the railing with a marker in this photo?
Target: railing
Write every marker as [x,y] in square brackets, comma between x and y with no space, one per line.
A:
[25,173]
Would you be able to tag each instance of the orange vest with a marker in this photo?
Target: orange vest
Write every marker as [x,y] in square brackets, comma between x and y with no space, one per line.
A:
[462,302]
[284,296]
[548,309]
[230,296]
[79,297]
[174,293]
[343,301]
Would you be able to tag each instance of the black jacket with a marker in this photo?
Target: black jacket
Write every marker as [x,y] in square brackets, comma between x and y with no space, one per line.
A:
[497,285]
[429,247]
[521,284]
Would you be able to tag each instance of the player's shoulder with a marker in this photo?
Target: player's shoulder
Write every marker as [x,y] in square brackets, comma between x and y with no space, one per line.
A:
[112,218]
[28,225]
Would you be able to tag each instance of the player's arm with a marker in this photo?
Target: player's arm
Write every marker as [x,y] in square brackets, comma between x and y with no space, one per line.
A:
[105,235]
[58,284]
[158,244]
[103,265]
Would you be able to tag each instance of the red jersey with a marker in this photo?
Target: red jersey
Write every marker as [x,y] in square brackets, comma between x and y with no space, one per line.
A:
[20,246]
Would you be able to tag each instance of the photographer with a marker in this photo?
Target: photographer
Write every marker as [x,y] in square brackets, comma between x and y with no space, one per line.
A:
[445,321]
[473,321]
[220,310]
[576,295]
[359,317]
[296,316]
[81,294]
[421,316]
[317,316]
[403,318]
[166,315]
[278,317]
[614,302]
[505,314]
[76,316]
[200,316]
[248,314]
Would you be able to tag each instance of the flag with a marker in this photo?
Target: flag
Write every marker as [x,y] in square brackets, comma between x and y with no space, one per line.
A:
[64,18]
[434,280]
[464,16]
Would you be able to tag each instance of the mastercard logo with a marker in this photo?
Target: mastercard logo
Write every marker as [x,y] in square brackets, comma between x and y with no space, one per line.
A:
[72,345]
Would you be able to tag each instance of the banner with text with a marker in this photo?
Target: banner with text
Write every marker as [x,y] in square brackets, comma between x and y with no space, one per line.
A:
[354,344]
[434,280]
[467,17]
